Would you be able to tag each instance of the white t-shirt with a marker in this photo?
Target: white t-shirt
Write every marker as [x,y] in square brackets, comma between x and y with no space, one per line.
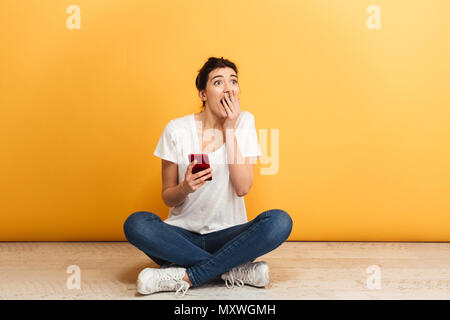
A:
[215,205]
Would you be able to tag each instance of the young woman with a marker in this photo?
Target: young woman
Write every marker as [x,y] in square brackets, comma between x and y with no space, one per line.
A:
[207,233]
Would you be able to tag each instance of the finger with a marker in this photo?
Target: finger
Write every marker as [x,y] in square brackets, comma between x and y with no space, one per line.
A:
[230,103]
[225,102]
[198,183]
[201,173]
[191,166]
[198,186]
[201,180]
[228,109]
[228,97]
[224,106]
[207,176]
[236,96]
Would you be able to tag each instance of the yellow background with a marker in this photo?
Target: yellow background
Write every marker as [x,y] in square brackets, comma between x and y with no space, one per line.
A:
[363,115]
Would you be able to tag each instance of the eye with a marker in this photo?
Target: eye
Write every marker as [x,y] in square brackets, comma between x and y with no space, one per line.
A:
[235,81]
[216,81]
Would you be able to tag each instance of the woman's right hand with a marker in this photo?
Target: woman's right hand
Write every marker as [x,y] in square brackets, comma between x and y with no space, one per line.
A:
[193,181]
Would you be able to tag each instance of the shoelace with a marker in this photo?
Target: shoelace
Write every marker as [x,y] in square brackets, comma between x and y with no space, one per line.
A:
[166,284]
[230,282]
[236,276]
[183,288]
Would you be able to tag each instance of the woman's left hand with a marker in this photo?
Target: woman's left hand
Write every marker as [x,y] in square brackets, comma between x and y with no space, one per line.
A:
[231,104]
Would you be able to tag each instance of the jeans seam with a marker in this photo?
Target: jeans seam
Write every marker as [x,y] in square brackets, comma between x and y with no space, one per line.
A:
[190,276]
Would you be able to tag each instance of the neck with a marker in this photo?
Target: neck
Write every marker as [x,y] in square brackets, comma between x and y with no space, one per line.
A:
[210,121]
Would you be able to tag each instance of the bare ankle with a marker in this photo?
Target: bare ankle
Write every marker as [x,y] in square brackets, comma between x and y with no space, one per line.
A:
[186,278]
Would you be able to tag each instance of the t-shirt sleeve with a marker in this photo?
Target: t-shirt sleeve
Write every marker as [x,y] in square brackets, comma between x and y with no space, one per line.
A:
[166,148]
[246,137]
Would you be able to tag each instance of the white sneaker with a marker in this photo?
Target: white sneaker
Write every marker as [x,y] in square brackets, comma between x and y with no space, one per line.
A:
[252,273]
[151,280]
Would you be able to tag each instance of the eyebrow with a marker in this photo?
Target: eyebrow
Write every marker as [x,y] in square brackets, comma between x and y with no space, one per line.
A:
[233,75]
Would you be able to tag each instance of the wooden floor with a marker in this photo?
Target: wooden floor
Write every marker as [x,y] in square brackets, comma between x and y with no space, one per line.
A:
[299,270]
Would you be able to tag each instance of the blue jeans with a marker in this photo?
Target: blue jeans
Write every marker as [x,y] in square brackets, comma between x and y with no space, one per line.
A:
[207,256]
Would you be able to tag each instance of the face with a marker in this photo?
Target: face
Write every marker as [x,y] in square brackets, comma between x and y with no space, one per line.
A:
[221,81]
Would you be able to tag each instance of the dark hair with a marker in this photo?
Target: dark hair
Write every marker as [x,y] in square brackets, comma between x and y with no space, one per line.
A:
[210,65]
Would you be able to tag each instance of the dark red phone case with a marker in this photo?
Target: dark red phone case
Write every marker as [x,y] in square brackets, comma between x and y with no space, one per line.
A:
[202,163]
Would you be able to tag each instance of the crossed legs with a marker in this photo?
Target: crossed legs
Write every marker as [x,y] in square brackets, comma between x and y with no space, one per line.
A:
[207,256]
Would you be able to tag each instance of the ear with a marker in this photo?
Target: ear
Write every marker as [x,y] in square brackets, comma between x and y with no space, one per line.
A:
[202,95]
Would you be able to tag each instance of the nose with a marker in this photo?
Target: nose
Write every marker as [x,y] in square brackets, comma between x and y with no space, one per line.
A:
[227,87]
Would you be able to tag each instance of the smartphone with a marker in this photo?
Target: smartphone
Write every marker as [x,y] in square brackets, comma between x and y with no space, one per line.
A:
[202,163]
